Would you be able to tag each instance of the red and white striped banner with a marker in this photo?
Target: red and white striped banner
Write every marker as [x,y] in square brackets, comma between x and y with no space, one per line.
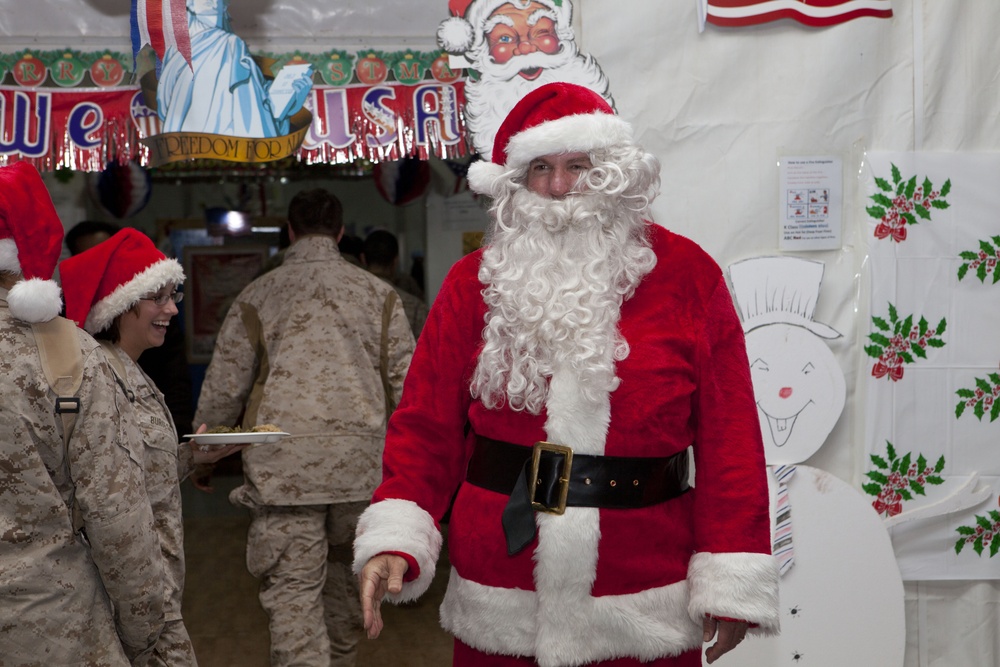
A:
[817,13]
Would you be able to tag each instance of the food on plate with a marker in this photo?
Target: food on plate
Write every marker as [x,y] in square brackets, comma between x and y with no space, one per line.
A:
[262,428]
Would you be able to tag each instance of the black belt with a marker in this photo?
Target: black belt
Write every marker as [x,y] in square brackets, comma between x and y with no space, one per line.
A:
[549,478]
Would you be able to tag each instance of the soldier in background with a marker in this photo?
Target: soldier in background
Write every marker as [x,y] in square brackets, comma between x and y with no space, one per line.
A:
[81,581]
[319,348]
[88,233]
[380,255]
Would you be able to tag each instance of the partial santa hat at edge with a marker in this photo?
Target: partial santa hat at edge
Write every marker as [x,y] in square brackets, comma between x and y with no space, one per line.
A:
[31,236]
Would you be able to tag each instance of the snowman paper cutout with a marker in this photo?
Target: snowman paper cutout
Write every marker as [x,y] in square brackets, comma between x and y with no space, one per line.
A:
[841,593]
[799,387]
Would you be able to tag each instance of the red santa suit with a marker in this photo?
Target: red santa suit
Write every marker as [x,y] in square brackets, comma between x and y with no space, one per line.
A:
[596,584]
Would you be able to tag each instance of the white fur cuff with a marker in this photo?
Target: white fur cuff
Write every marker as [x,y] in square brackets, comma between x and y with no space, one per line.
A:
[735,585]
[399,525]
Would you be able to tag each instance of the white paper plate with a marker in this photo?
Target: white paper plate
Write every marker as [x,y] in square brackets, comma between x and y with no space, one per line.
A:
[222,439]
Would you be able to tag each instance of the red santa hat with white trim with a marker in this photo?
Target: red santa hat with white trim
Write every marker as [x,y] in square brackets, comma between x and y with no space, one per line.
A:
[458,33]
[105,281]
[31,237]
[552,119]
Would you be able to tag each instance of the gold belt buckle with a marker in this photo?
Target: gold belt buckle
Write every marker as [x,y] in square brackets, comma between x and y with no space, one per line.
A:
[567,466]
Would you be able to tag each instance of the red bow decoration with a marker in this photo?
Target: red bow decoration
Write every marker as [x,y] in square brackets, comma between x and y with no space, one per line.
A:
[880,370]
[883,230]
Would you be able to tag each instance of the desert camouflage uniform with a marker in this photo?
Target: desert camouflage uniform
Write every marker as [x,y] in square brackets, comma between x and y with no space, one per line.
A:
[166,464]
[410,296]
[415,309]
[319,348]
[63,596]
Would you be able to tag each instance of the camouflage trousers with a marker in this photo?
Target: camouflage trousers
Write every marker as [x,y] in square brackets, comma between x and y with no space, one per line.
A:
[302,556]
[173,648]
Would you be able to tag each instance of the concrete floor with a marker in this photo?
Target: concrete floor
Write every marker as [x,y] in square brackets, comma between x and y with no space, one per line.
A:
[226,623]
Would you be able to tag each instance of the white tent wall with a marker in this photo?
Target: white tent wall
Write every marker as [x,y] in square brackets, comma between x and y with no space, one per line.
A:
[264,24]
[719,108]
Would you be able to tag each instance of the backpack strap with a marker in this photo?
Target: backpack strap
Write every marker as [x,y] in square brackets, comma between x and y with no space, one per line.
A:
[118,367]
[62,364]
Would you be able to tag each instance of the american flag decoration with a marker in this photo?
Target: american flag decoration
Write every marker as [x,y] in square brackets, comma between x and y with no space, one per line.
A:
[161,24]
[815,13]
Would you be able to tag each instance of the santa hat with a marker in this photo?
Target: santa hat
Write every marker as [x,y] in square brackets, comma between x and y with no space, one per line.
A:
[779,290]
[105,281]
[457,34]
[552,119]
[31,237]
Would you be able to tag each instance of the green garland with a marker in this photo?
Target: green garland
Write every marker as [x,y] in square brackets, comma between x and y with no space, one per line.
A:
[69,68]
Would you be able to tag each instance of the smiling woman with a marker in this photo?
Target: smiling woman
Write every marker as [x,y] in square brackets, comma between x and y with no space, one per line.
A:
[124,292]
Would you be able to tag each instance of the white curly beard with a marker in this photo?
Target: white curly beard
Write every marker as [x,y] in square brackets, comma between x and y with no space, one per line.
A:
[556,273]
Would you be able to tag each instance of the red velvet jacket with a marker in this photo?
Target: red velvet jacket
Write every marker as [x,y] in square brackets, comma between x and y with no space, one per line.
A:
[596,584]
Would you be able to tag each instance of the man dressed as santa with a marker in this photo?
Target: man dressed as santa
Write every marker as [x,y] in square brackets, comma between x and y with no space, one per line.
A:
[564,375]
[516,46]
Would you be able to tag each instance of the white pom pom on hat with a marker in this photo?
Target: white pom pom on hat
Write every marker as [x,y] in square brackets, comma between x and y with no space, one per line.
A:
[31,237]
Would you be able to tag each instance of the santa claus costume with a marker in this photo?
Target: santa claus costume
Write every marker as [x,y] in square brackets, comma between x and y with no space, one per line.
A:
[655,367]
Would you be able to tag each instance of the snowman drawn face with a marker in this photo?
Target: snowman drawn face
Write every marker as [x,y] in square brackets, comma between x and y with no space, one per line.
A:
[799,388]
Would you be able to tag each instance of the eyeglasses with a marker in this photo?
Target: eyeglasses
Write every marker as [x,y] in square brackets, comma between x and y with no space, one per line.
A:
[161,299]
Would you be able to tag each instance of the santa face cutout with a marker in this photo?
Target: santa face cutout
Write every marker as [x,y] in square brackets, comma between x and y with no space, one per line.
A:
[518,32]
[515,47]
[799,387]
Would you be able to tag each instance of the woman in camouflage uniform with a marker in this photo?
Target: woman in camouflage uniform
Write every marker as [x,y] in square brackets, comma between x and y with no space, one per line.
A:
[80,580]
[124,291]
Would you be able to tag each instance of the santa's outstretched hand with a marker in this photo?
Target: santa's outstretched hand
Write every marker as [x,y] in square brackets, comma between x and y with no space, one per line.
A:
[380,575]
[730,634]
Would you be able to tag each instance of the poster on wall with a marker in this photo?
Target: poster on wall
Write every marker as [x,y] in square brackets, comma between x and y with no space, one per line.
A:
[215,277]
[932,360]
[810,195]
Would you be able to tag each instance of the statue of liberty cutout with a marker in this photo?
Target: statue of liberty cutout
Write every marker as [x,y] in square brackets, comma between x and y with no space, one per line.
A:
[209,86]
[841,591]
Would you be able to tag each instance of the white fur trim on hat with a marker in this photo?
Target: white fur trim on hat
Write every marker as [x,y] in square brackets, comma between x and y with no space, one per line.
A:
[153,278]
[399,525]
[569,134]
[34,300]
[483,175]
